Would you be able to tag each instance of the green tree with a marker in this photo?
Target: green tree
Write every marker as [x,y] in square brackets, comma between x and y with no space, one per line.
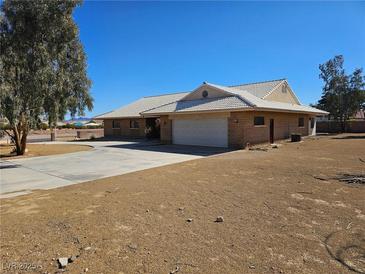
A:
[42,64]
[343,95]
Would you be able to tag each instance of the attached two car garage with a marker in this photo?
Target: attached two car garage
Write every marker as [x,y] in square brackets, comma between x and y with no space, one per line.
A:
[200,132]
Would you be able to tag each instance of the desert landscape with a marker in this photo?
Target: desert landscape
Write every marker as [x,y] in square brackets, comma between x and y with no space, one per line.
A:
[283,210]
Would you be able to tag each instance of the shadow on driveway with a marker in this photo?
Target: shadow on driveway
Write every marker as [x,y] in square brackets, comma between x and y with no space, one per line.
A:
[178,149]
[116,138]
[6,165]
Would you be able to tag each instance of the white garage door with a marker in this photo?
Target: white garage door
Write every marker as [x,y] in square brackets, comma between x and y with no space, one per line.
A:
[200,132]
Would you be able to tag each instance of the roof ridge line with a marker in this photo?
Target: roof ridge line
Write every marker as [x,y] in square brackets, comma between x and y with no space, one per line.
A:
[141,113]
[209,98]
[172,93]
[200,99]
[260,82]
[272,90]
[245,99]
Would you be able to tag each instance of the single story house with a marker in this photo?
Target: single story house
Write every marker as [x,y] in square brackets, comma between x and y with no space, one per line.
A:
[216,115]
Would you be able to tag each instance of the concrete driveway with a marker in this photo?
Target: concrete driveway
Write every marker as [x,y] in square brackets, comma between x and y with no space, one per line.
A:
[108,158]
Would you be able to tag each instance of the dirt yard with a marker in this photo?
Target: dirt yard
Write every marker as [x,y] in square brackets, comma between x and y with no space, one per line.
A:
[284,212]
[41,150]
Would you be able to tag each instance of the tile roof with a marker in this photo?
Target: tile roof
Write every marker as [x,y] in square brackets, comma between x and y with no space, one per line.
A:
[134,109]
[251,99]
[259,103]
[239,97]
[259,89]
[220,103]
[271,105]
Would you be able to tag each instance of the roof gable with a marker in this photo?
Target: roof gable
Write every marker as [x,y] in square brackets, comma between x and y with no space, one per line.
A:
[205,91]
[250,99]
[282,93]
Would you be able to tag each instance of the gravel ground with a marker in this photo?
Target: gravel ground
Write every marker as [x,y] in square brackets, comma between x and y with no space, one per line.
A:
[284,212]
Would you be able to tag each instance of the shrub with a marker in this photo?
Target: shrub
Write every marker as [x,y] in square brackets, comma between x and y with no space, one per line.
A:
[43,126]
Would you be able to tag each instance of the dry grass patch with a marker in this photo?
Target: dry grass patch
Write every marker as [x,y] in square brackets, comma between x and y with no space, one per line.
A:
[42,150]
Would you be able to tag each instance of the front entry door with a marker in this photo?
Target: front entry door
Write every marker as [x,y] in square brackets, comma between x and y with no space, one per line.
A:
[271,131]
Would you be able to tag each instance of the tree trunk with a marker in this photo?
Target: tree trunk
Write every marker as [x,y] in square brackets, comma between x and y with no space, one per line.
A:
[53,134]
[17,142]
[343,123]
[20,136]
[23,141]
[343,127]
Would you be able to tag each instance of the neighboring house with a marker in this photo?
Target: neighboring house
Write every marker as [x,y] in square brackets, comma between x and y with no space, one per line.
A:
[80,121]
[83,121]
[214,115]
[93,123]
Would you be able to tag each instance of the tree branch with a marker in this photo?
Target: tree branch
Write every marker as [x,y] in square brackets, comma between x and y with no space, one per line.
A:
[10,135]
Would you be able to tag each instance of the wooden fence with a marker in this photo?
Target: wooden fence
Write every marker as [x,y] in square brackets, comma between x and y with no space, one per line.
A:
[355,126]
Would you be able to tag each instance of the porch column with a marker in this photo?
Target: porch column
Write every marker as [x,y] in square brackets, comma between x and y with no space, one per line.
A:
[312,131]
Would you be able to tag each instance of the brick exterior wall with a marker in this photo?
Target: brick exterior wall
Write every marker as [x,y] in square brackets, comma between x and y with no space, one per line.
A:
[166,130]
[125,130]
[241,128]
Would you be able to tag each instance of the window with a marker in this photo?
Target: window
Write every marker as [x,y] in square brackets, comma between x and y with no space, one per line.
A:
[205,94]
[301,122]
[259,121]
[115,124]
[133,124]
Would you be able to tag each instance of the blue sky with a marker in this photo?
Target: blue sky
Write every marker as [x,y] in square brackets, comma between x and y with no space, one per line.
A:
[138,49]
